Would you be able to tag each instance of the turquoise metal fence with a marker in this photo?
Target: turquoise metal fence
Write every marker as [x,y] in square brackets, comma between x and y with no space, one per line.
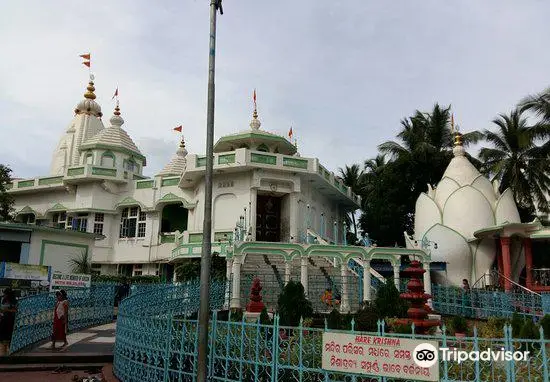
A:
[87,307]
[157,341]
[478,303]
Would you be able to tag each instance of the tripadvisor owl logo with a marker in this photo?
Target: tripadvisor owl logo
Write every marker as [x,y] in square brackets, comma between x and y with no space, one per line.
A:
[425,355]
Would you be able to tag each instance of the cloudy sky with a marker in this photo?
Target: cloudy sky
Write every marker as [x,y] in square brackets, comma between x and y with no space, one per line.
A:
[342,73]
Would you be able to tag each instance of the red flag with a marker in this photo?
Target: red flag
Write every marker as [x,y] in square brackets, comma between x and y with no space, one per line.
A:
[290,133]
[116,94]
[178,128]
[87,63]
[85,56]
[254,96]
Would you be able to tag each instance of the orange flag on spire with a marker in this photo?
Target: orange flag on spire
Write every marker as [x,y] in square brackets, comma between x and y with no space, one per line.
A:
[87,63]
[254,96]
[179,128]
[290,133]
[116,94]
[85,56]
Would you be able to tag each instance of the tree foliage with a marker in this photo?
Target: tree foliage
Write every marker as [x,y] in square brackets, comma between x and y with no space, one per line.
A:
[293,304]
[81,264]
[191,269]
[6,200]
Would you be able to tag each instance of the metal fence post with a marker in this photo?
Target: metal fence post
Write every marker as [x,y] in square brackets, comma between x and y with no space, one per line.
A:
[168,348]
[444,343]
[476,348]
[275,350]
[212,344]
[544,356]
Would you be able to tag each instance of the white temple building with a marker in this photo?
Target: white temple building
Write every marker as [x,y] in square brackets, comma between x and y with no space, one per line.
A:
[97,185]
[475,230]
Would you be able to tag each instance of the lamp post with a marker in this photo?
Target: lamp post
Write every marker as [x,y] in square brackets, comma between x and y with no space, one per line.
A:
[204,310]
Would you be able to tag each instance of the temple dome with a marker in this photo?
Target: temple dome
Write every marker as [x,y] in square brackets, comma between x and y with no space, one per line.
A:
[463,202]
[113,137]
[178,163]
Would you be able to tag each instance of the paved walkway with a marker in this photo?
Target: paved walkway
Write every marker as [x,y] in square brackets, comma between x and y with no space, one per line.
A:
[96,340]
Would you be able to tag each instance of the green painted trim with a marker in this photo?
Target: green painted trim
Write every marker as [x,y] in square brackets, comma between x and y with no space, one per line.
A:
[201,162]
[167,238]
[93,210]
[32,227]
[145,184]
[195,237]
[27,210]
[224,249]
[25,183]
[58,207]
[130,202]
[263,158]
[139,177]
[219,236]
[172,198]
[74,171]
[296,163]
[109,154]
[226,158]
[61,243]
[50,180]
[102,171]
[256,137]
[114,148]
[166,182]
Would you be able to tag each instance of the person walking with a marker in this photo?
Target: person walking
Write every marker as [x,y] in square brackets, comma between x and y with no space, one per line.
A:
[60,319]
[7,320]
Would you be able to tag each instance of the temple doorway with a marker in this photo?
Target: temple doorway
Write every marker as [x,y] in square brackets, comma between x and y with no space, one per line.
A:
[268,218]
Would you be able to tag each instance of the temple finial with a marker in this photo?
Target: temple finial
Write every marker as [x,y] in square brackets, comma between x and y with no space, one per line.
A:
[255,123]
[90,88]
[117,109]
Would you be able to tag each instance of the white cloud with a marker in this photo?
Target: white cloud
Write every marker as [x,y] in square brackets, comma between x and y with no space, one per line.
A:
[342,73]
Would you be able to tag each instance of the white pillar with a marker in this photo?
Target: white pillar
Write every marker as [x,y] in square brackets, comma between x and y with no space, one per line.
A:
[427,281]
[236,284]
[228,266]
[294,222]
[303,274]
[366,281]
[287,271]
[396,275]
[344,304]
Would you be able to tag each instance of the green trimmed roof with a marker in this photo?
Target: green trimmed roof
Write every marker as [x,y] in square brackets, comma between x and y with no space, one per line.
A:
[32,227]
[254,138]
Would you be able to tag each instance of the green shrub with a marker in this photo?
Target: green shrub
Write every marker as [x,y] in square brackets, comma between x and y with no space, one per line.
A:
[517,323]
[545,324]
[459,324]
[529,331]
[293,304]
[236,315]
[366,319]
[264,317]
[494,328]
[402,329]
[388,303]
[334,320]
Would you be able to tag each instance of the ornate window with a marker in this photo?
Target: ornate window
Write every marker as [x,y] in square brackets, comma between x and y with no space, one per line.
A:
[263,148]
[59,220]
[80,223]
[131,165]
[27,218]
[89,158]
[98,223]
[108,159]
[132,222]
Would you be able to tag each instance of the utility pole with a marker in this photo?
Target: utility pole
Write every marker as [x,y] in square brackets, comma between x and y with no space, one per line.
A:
[204,311]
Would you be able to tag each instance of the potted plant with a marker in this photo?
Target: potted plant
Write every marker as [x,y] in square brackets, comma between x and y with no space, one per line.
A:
[460,326]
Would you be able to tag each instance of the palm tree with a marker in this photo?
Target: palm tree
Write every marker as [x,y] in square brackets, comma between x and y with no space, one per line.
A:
[517,162]
[81,264]
[351,177]
[539,104]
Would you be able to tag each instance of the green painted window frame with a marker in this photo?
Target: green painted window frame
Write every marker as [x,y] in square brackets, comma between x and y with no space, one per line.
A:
[295,163]
[108,154]
[145,184]
[263,159]
[226,158]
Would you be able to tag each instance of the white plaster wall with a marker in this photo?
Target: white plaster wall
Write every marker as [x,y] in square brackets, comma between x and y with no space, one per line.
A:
[57,255]
[319,203]
[43,201]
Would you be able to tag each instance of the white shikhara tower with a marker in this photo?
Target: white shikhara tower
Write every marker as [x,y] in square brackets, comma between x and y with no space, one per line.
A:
[463,203]
[85,124]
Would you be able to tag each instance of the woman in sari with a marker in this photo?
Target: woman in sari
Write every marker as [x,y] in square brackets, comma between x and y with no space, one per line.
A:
[60,319]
